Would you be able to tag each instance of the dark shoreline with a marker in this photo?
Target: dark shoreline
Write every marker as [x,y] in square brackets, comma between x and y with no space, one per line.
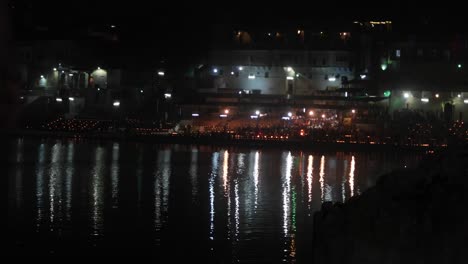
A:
[293,144]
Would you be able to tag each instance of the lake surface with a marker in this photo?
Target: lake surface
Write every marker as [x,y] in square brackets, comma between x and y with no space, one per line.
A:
[218,205]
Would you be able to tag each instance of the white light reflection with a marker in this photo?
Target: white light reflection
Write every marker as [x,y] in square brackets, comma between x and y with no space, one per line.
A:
[161,187]
[322,174]
[97,191]
[286,194]
[55,192]
[351,176]
[115,174]
[236,212]
[40,186]
[310,168]
[343,181]
[214,171]
[255,176]
[68,179]
[225,171]
[193,173]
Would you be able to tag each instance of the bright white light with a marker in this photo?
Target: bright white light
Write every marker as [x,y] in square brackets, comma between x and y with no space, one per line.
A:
[222,115]
[465,101]
[332,79]
[215,70]
[311,113]
[459,65]
[42,76]
[167,95]
[226,111]
[437,95]
[116,103]
[383,67]
[99,89]
[285,118]
[21,97]
[240,68]
[112,26]
[70,74]
[345,94]
[289,114]
[257,112]
[425,100]
[98,68]
[303,110]
[353,111]
[240,92]
[406,95]
[232,73]
[269,34]
[323,116]
[298,32]
[63,71]
[297,74]
[71,99]
[289,69]
[195,114]
[363,76]
[253,116]
[289,78]
[141,91]
[55,69]
[459,95]
[58,99]
[251,76]
[160,73]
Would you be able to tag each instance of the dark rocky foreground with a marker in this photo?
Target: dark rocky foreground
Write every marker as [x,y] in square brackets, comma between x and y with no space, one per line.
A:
[410,216]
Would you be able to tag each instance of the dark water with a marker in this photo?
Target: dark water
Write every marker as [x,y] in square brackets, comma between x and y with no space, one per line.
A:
[213,204]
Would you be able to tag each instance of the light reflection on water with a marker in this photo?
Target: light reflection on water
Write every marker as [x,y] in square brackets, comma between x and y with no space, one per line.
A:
[97,189]
[257,209]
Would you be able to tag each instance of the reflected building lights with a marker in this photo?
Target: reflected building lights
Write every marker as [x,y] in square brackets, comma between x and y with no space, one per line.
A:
[310,169]
[286,194]
[236,212]
[255,176]
[40,185]
[69,179]
[97,187]
[225,171]
[211,181]
[55,184]
[161,187]
[166,173]
[115,174]
[351,176]
[322,174]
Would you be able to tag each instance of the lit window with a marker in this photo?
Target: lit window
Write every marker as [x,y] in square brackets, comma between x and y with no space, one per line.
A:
[398,53]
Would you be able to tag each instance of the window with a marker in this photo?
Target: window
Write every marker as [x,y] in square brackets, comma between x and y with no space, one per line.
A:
[267,74]
[397,53]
